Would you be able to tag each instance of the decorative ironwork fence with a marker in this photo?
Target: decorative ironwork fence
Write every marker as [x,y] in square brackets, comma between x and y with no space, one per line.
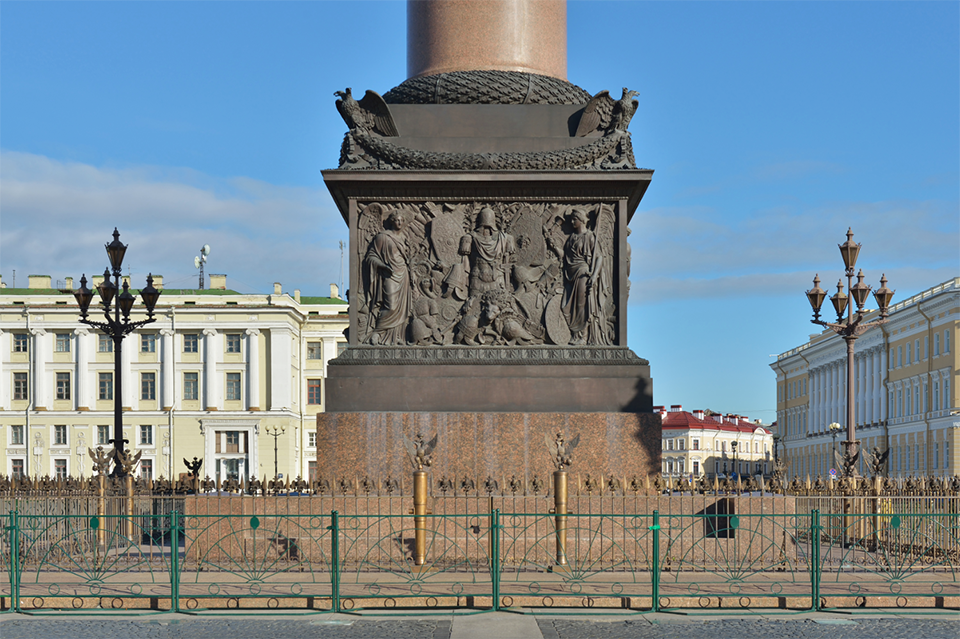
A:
[656,544]
[493,559]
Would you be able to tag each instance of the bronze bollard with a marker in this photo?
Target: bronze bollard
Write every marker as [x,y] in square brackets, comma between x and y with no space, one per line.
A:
[420,512]
[560,510]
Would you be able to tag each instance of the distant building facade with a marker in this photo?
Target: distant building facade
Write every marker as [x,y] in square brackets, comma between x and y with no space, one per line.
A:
[205,380]
[695,444]
[905,394]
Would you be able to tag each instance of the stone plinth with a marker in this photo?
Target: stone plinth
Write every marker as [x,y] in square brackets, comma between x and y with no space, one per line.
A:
[498,445]
[505,35]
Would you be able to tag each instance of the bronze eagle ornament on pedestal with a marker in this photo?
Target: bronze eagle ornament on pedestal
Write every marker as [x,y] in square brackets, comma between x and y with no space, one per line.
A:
[370,115]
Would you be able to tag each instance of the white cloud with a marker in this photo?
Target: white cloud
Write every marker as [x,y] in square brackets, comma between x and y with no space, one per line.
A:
[55,217]
[695,252]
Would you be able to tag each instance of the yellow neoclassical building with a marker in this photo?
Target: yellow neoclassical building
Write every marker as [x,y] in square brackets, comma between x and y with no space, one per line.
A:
[213,377]
[906,390]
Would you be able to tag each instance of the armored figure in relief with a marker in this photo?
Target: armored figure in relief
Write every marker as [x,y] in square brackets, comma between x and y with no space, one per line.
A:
[388,288]
[488,255]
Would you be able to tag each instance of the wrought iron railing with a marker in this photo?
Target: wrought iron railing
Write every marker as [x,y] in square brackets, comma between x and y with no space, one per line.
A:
[720,553]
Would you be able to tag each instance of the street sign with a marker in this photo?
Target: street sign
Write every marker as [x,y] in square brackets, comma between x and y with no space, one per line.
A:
[833,472]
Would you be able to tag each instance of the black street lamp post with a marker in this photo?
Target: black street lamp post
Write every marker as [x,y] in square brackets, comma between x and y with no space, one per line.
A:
[736,466]
[275,432]
[850,329]
[116,310]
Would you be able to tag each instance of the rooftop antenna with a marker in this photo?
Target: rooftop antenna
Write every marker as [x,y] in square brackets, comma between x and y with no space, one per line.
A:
[200,260]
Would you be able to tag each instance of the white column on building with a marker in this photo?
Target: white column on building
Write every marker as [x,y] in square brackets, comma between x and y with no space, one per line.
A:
[253,369]
[281,367]
[41,386]
[817,399]
[881,391]
[211,390]
[5,395]
[168,363]
[831,397]
[841,395]
[861,389]
[811,396]
[130,382]
[85,383]
[822,406]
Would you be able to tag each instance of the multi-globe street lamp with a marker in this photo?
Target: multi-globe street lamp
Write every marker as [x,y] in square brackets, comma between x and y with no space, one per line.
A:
[116,310]
[850,329]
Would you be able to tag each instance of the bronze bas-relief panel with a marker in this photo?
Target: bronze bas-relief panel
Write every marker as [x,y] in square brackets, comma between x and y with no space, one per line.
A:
[485,273]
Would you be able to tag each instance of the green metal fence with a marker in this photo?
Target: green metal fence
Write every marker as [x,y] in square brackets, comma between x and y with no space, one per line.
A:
[710,559]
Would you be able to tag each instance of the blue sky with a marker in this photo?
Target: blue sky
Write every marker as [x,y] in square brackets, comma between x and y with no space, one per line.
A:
[772,127]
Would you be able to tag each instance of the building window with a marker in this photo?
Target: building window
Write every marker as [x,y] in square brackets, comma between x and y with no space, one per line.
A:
[312,471]
[21,342]
[899,403]
[946,394]
[148,386]
[681,444]
[314,350]
[946,341]
[146,468]
[916,348]
[63,385]
[103,435]
[936,345]
[191,386]
[946,455]
[669,444]
[936,396]
[909,354]
[148,343]
[16,435]
[311,439]
[899,356]
[191,343]
[916,400]
[17,468]
[233,387]
[63,343]
[696,444]
[20,386]
[146,435]
[233,441]
[341,346]
[60,468]
[106,385]
[314,392]
[233,342]
[936,454]
[60,435]
[104,344]
[696,467]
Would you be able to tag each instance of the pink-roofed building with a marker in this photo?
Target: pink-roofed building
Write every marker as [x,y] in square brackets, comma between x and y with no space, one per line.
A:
[695,444]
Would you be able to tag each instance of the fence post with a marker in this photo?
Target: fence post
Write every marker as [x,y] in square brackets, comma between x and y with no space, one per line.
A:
[655,568]
[495,558]
[334,529]
[175,561]
[14,529]
[815,542]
